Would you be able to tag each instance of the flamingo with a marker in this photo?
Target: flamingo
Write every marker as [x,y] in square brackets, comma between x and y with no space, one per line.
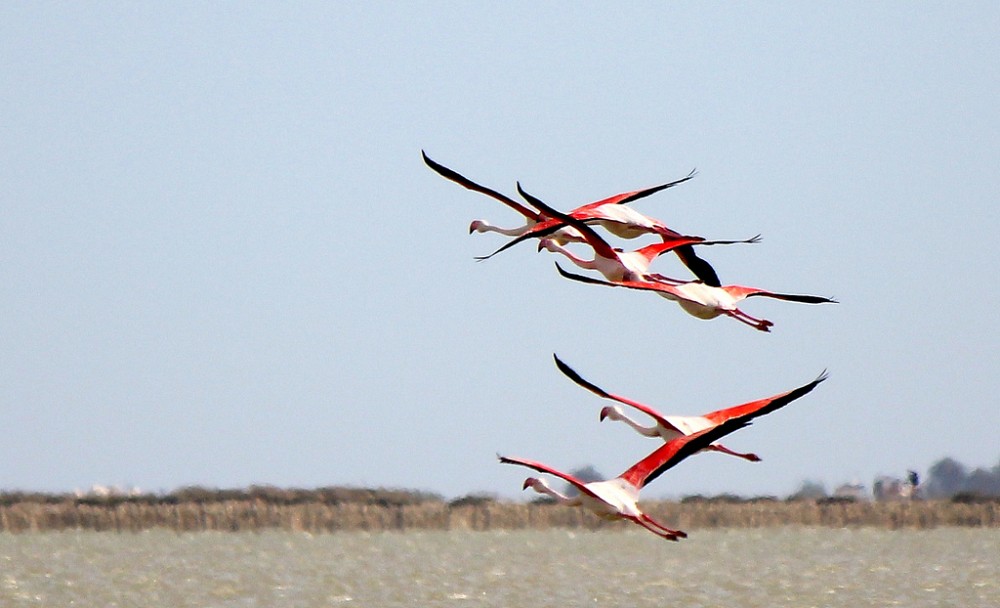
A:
[668,427]
[610,212]
[531,216]
[617,265]
[622,221]
[706,301]
[618,498]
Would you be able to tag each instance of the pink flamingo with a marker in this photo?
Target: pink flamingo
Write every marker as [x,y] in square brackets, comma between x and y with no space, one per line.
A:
[618,498]
[531,216]
[617,265]
[622,221]
[706,301]
[611,213]
[669,427]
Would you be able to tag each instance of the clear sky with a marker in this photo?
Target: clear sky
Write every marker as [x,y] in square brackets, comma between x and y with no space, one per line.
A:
[223,262]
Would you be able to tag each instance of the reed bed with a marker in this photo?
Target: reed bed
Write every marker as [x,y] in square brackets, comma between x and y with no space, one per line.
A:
[257,514]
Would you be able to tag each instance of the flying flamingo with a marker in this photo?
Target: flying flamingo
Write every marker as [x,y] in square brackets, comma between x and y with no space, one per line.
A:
[610,212]
[706,301]
[668,427]
[531,216]
[618,498]
[617,265]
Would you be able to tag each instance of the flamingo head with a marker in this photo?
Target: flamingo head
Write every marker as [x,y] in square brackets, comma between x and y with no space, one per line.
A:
[548,244]
[477,226]
[532,482]
[612,411]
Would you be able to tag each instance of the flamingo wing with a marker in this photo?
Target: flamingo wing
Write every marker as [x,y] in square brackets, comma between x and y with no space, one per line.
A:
[671,453]
[471,185]
[629,197]
[600,392]
[671,290]
[701,269]
[590,212]
[544,468]
[676,450]
[543,228]
[601,247]
[671,243]
[739,292]
[761,407]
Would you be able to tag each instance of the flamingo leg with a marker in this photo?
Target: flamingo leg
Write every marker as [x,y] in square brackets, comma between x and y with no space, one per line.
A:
[718,447]
[742,317]
[652,528]
[672,532]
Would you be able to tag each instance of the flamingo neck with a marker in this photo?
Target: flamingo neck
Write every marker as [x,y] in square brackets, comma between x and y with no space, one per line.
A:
[541,487]
[555,247]
[647,431]
[484,226]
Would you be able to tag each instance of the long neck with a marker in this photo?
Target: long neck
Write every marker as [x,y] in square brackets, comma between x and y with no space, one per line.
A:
[542,487]
[484,226]
[557,248]
[648,431]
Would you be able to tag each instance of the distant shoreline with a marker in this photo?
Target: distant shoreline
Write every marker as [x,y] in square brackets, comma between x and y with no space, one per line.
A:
[130,514]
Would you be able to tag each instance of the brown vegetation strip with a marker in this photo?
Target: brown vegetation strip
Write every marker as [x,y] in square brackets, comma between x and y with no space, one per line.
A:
[317,517]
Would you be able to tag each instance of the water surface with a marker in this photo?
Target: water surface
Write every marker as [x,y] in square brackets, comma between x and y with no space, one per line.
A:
[742,568]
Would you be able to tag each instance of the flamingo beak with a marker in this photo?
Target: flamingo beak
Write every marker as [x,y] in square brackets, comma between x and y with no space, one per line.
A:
[604,412]
[472,227]
[527,483]
[541,245]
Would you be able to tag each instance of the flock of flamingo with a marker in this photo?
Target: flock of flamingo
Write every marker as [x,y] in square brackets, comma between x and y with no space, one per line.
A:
[704,297]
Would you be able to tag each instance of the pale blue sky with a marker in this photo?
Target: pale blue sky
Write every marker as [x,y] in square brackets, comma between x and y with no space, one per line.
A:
[223,262]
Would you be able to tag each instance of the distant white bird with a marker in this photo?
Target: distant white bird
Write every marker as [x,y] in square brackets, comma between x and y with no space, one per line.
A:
[618,498]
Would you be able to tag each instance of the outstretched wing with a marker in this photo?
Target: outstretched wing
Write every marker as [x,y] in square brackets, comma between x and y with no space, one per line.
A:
[600,392]
[670,290]
[461,180]
[629,197]
[601,247]
[761,407]
[740,292]
[671,453]
[586,212]
[544,468]
[676,450]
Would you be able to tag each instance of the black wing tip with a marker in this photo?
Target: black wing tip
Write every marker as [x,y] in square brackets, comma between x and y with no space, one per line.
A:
[520,189]
[573,375]
[430,162]
[564,368]
[579,277]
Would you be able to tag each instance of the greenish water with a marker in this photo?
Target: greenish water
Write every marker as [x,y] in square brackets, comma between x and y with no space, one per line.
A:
[798,567]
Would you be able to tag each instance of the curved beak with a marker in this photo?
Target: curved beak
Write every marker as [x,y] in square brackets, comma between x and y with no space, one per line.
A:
[604,412]
[527,483]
